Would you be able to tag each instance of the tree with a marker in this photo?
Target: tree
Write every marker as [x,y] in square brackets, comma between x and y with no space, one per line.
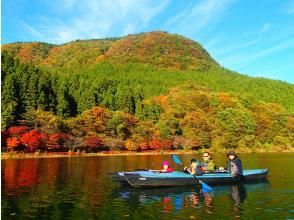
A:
[156,144]
[66,106]
[55,141]
[234,124]
[32,90]
[4,136]
[144,145]
[46,96]
[121,124]
[43,121]
[197,128]
[12,142]
[9,101]
[131,145]
[169,125]
[32,140]
[17,131]
[144,131]
[93,142]
[7,65]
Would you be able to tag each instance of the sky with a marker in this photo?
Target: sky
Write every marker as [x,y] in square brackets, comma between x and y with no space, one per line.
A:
[252,37]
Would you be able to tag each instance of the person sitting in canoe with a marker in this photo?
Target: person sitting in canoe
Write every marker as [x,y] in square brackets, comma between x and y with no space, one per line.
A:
[166,167]
[195,168]
[207,165]
[235,165]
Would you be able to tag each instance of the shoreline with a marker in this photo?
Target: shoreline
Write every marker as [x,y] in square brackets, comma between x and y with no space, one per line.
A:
[37,155]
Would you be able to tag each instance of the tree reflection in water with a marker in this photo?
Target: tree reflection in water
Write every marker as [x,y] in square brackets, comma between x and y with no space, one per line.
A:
[176,199]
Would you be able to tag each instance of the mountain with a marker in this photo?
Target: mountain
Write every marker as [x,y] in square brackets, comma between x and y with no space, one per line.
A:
[140,89]
[156,48]
[158,52]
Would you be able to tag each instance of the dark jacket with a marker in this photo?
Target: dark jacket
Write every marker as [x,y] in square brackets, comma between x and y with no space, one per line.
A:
[196,171]
[235,166]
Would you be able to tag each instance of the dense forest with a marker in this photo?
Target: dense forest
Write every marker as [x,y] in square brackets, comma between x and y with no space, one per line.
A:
[147,91]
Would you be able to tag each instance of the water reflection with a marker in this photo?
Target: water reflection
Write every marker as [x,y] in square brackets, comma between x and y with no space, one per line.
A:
[79,188]
[178,198]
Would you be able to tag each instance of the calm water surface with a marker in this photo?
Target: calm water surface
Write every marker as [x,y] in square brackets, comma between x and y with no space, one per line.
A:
[79,188]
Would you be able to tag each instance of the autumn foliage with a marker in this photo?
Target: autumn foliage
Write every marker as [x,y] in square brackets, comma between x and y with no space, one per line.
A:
[17,131]
[32,140]
[56,140]
[12,142]
[93,142]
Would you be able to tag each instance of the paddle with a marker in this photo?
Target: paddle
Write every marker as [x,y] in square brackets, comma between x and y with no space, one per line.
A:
[205,187]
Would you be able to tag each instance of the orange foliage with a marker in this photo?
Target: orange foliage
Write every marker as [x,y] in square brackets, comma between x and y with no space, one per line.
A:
[144,145]
[98,112]
[12,142]
[226,99]
[162,100]
[26,52]
[131,145]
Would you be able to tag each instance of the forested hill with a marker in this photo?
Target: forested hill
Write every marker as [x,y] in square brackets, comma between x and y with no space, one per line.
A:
[171,59]
[137,75]
[157,48]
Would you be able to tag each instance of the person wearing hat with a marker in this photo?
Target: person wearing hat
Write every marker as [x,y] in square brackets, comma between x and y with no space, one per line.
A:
[166,167]
[235,165]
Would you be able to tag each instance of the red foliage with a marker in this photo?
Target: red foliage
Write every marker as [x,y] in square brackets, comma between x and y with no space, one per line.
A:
[55,141]
[144,145]
[156,144]
[17,131]
[94,142]
[32,140]
[161,144]
[12,142]
[167,144]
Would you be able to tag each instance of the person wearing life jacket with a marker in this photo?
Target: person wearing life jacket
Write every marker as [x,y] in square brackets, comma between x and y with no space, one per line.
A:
[207,165]
[195,168]
[166,167]
[235,165]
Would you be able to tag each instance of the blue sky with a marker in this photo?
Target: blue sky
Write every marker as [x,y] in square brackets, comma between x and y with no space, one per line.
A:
[249,36]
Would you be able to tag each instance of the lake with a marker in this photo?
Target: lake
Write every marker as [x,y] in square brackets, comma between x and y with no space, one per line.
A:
[79,188]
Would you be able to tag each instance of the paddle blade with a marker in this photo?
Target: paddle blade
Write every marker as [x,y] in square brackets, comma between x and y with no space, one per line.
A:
[205,187]
[176,159]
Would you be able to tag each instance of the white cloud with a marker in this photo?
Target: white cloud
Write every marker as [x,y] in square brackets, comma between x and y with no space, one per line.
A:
[243,42]
[31,30]
[200,15]
[94,19]
[244,60]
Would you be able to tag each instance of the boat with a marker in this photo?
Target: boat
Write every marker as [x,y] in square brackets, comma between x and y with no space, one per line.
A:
[147,178]
[119,177]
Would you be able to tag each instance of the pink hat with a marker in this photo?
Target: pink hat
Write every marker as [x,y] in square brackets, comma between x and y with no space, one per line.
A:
[165,163]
